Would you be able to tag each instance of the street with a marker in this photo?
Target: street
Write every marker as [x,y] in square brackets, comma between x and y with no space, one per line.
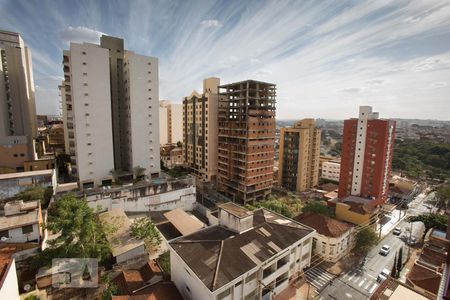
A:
[361,282]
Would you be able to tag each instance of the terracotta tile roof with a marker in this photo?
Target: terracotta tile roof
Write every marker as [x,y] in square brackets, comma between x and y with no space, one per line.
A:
[5,261]
[324,225]
[149,270]
[425,278]
[132,280]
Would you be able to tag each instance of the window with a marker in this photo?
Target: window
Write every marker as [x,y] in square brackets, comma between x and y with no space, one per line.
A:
[224,294]
[188,289]
[84,63]
[84,74]
[84,52]
[15,155]
[238,283]
[27,229]
[22,155]
[4,233]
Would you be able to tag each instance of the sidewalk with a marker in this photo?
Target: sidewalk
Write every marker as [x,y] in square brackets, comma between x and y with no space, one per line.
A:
[394,220]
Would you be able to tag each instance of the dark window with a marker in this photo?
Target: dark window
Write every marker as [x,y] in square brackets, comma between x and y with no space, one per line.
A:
[4,233]
[27,229]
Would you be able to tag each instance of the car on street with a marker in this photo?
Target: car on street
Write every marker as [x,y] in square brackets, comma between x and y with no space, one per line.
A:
[397,231]
[383,275]
[412,241]
[385,249]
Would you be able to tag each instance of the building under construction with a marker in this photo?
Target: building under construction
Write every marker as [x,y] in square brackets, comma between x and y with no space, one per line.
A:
[246,140]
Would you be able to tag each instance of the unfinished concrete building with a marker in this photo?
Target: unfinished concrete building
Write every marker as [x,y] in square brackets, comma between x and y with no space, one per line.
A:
[246,140]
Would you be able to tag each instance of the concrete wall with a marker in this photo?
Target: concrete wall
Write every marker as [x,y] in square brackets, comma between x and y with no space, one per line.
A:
[17,236]
[182,198]
[10,288]
[92,111]
[142,83]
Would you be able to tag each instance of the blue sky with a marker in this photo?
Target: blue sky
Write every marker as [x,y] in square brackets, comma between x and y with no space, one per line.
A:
[326,57]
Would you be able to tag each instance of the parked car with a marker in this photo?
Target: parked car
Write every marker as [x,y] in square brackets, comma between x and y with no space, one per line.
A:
[412,241]
[397,231]
[383,275]
[385,249]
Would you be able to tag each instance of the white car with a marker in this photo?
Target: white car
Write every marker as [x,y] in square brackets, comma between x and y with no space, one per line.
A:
[385,249]
[383,275]
[397,231]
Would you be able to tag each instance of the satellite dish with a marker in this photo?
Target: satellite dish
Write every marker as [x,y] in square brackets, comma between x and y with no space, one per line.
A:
[26,287]
[4,239]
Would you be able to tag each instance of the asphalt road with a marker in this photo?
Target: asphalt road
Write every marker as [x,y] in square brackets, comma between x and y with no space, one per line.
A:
[360,282]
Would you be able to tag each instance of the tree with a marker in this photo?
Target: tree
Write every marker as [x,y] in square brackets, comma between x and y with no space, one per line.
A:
[179,144]
[394,267]
[431,221]
[139,172]
[48,194]
[31,193]
[366,239]
[400,261]
[316,207]
[81,232]
[111,288]
[164,262]
[442,196]
[144,229]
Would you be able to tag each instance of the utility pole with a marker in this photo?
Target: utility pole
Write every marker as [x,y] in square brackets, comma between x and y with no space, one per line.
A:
[409,241]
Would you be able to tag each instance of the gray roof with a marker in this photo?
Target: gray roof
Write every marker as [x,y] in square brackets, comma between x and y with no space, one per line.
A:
[218,255]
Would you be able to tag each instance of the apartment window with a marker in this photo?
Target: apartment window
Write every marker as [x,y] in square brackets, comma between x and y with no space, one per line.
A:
[84,74]
[85,84]
[149,72]
[86,114]
[84,52]
[27,229]
[84,63]
[149,90]
[86,104]
[15,155]
[89,144]
[22,155]
[86,94]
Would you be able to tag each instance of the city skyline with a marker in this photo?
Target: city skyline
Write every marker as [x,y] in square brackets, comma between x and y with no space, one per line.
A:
[325,58]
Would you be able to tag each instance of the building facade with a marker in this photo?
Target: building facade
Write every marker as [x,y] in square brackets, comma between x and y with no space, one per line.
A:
[299,154]
[246,148]
[367,149]
[17,93]
[200,130]
[170,122]
[331,170]
[249,255]
[110,110]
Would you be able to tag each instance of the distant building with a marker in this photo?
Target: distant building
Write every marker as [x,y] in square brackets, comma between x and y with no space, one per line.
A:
[331,170]
[200,130]
[170,122]
[299,154]
[249,255]
[13,153]
[17,93]
[171,156]
[334,239]
[367,149]
[111,111]
[21,222]
[356,210]
[246,148]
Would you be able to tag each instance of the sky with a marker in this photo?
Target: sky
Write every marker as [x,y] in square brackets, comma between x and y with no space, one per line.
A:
[326,57]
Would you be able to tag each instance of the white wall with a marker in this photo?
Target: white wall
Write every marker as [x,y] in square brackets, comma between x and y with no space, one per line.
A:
[92,113]
[144,111]
[182,198]
[177,122]
[342,246]
[16,235]
[10,288]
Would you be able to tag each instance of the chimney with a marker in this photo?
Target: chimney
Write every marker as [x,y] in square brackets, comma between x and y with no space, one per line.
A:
[235,218]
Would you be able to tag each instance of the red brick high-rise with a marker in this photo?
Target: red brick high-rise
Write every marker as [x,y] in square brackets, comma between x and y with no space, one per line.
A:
[367,150]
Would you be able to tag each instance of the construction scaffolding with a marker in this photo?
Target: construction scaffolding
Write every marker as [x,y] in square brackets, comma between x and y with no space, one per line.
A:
[246,149]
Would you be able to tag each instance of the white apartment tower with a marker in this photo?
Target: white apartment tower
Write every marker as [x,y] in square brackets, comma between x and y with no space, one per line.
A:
[17,94]
[110,109]
[170,122]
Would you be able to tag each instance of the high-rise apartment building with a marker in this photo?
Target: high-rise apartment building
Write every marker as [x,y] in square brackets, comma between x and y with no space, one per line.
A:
[246,140]
[367,148]
[170,122]
[17,94]
[200,130]
[298,164]
[110,103]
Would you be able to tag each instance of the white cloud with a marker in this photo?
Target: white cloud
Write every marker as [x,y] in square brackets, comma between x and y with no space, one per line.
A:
[262,73]
[80,34]
[439,84]
[210,23]
[352,90]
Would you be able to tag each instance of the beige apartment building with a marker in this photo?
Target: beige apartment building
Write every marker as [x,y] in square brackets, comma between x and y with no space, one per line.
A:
[298,167]
[110,110]
[170,122]
[200,130]
[17,100]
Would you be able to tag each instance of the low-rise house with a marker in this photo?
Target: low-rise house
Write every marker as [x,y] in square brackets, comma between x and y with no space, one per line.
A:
[391,289]
[333,240]
[9,288]
[13,183]
[131,281]
[249,255]
[124,247]
[355,210]
[427,272]
[21,222]
[171,155]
